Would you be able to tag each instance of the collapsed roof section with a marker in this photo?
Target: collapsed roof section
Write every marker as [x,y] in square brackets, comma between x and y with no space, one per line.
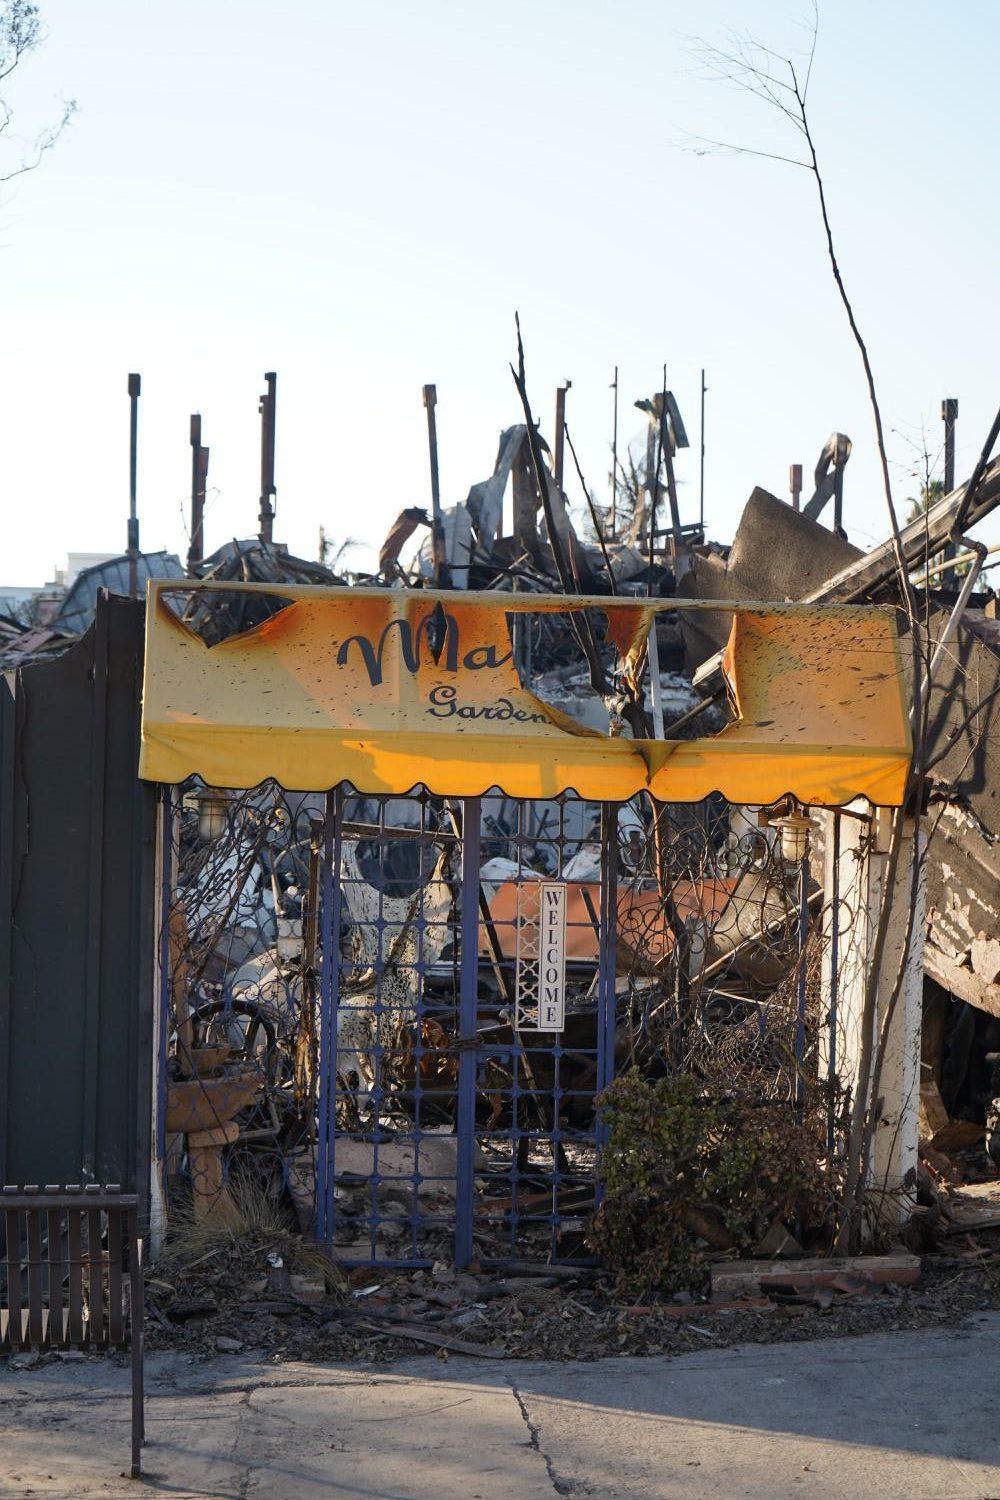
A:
[782,553]
[251,561]
[78,608]
[391,689]
[478,555]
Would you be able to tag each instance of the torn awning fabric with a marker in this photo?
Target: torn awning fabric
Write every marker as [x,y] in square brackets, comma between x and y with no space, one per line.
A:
[353,686]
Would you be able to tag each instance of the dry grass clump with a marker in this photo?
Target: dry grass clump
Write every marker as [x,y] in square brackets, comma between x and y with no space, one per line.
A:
[248,1227]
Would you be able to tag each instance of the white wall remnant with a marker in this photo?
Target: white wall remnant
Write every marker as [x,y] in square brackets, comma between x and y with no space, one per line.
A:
[861,873]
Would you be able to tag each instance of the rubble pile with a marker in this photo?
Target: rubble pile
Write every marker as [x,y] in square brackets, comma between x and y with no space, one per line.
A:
[780,553]
[726,939]
[21,643]
[58,616]
[252,561]
[718,950]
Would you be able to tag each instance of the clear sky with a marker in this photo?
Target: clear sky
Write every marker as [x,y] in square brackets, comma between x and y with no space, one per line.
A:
[359,196]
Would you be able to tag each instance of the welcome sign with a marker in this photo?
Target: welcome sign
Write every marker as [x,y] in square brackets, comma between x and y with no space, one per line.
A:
[540,975]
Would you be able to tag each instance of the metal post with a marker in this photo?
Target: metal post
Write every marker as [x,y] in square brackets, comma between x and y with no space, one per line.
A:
[268,504]
[132,548]
[329,992]
[795,485]
[167,816]
[199,480]
[652,486]
[949,416]
[197,497]
[614,461]
[467,1009]
[607,956]
[701,477]
[136,1332]
[442,573]
[560,441]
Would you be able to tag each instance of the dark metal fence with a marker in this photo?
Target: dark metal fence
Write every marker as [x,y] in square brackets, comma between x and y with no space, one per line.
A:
[77,913]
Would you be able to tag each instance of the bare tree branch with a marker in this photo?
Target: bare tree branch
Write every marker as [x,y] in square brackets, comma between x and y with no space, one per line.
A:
[42,144]
[812,48]
[702,145]
[20,35]
[749,66]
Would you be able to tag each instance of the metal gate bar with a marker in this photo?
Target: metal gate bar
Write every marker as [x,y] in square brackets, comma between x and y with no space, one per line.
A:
[384,1166]
[330,930]
[468,1005]
[607,986]
[541,1143]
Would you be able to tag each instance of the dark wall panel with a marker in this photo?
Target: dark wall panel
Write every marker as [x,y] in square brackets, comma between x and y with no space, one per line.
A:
[77,855]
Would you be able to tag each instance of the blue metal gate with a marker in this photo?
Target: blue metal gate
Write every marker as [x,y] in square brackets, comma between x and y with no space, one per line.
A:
[364,1021]
[450,1126]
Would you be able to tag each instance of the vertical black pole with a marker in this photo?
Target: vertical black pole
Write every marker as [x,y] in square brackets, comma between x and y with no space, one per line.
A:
[558,450]
[607,956]
[701,476]
[949,416]
[268,493]
[652,490]
[199,479]
[468,1001]
[331,916]
[134,387]
[614,460]
[442,576]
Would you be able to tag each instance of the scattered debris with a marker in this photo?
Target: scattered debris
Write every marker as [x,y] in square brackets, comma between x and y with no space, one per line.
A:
[844,1274]
[974,1206]
[576,1315]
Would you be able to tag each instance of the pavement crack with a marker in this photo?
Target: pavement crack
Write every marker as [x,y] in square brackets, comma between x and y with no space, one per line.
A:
[560,1485]
[244,1471]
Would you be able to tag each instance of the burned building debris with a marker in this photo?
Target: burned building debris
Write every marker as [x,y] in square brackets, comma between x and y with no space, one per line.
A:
[779,553]
[440,867]
[410,1096]
[52,619]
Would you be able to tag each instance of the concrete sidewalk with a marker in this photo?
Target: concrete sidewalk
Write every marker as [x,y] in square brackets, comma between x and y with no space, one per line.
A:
[904,1416]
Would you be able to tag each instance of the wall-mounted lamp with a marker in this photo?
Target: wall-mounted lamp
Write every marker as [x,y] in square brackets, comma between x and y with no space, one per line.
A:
[213,808]
[794,830]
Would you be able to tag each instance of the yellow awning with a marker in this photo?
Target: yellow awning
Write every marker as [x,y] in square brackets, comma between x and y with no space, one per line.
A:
[342,685]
